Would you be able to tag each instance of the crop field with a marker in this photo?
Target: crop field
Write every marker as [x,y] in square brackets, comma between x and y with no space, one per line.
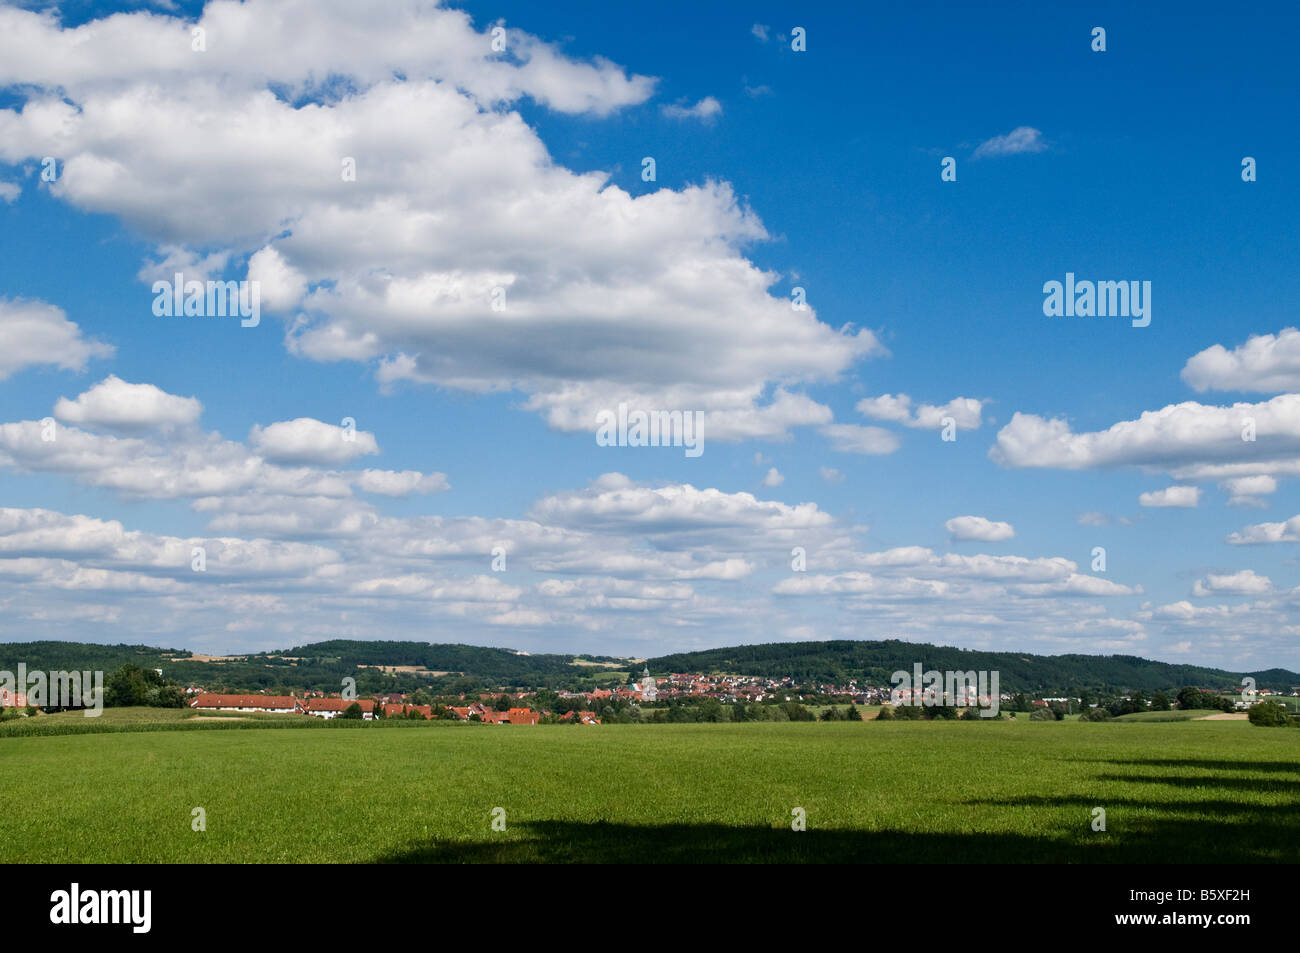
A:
[959,792]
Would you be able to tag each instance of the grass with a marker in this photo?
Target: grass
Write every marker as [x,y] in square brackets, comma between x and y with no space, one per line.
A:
[873,792]
[1190,714]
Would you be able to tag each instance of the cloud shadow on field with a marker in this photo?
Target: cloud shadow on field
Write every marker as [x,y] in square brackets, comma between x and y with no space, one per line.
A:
[1282,767]
[556,841]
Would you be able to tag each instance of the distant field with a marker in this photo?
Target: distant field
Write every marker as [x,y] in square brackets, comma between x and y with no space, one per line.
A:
[873,792]
[1190,714]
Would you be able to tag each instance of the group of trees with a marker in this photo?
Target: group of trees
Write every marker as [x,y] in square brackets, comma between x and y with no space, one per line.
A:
[1269,714]
[132,685]
[933,713]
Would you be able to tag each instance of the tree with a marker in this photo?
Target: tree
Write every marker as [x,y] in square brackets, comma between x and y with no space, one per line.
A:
[502,703]
[1042,714]
[1268,714]
[886,713]
[1096,714]
[353,712]
[133,685]
[853,714]
[1160,702]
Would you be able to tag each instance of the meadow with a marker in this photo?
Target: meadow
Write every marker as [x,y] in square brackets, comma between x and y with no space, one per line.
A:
[872,792]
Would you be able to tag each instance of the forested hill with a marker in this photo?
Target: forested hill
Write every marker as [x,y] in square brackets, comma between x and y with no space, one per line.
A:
[1018,671]
[322,665]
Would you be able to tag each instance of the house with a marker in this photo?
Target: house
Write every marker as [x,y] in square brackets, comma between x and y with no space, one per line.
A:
[276,704]
[394,710]
[10,699]
[333,707]
[583,717]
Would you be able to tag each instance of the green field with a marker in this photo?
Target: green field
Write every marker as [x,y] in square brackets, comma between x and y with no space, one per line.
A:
[873,792]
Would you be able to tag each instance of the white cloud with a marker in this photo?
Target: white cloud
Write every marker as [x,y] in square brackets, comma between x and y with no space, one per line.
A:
[9,191]
[831,475]
[760,32]
[1019,140]
[1243,583]
[966,412]
[404,483]
[176,260]
[977,527]
[1178,496]
[306,440]
[37,333]
[118,405]
[773,477]
[280,286]
[706,110]
[456,202]
[1189,441]
[286,42]
[1265,363]
[1246,491]
[1284,532]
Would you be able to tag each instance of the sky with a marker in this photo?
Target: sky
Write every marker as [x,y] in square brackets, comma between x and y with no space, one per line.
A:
[462,261]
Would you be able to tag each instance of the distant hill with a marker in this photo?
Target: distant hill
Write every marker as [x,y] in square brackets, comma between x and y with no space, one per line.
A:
[323,665]
[443,666]
[839,661]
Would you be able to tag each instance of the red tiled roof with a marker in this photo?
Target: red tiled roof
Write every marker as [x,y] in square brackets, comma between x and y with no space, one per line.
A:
[339,704]
[277,702]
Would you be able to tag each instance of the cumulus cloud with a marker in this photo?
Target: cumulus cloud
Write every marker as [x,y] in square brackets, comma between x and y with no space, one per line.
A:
[37,333]
[831,475]
[403,483]
[977,527]
[306,440]
[1177,496]
[1189,441]
[966,412]
[118,405]
[1287,531]
[1246,491]
[706,110]
[1266,363]
[1244,583]
[436,264]
[774,477]
[1022,139]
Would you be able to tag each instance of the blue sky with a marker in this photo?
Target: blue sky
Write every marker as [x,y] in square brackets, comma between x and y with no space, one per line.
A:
[774,169]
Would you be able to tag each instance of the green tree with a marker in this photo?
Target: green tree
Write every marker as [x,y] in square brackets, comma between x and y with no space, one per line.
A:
[353,712]
[853,714]
[1160,702]
[1268,714]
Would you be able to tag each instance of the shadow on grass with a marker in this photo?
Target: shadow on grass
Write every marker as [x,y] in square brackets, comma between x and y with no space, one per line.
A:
[1264,767]
[560,842]
[1172,828]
